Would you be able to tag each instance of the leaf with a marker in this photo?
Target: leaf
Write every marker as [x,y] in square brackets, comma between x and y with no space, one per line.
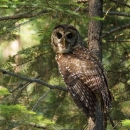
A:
[126,123]
[98,18]
[4,91]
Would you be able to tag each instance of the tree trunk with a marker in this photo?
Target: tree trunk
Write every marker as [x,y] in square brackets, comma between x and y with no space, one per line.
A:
[94,44]
[95,27]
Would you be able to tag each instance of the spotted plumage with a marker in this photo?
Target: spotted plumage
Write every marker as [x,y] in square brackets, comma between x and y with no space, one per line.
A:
[81,70]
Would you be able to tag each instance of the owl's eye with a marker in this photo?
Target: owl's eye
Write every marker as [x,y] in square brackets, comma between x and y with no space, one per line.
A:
[69,36]
[59,35]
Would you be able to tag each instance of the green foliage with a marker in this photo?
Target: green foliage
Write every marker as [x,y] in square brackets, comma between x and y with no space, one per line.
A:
[14,110]
[126,124]
[4,91]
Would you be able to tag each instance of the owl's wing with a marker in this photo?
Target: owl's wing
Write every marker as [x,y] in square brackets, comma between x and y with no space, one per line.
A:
[86,77]
[83,97]
[93,76]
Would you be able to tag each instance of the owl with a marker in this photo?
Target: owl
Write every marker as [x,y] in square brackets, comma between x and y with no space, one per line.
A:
[81,70]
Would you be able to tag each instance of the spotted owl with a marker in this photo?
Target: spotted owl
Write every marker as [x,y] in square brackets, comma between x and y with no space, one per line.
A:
[81,70]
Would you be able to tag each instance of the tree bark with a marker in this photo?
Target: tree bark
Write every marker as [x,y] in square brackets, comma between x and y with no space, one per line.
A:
[95,27]
[94,44]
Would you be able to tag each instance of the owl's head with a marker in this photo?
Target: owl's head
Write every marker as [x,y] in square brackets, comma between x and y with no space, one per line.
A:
[65,38]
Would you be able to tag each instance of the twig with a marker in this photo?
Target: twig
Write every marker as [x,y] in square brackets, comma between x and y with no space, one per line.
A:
[29,15]
[111,121]
[33,80]
[117,13]
[115,125]
[118,72]
[117,40]
[115,30]
[48,4]
[118,2]
[107,12]
[14,89]
[19,92]
[85,10]
[77,9]
[20,16]
[34,125]
[40,99]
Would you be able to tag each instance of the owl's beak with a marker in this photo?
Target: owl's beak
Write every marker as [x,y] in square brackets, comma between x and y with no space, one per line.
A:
[64,42]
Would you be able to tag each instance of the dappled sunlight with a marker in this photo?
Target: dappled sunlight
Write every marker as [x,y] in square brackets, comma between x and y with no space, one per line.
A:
[11,49]
[25,37]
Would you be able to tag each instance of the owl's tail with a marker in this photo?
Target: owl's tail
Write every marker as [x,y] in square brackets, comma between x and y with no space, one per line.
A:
[106,99]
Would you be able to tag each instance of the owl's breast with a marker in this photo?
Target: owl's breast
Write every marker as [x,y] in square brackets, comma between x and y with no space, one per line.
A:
[66,69]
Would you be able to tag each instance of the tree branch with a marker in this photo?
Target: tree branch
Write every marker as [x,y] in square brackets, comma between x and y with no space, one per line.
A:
[85,10]
[40,99]
[35,107]
[116,29]
[117,40]
[24,15]
[117,13]
[30,15]
[33,80]
[118,2]
[19,92]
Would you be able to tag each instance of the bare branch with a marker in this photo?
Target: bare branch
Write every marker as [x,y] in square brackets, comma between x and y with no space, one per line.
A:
[111,121]
[48,4]
[116,29]
[85,10]
[118,2]
[118,72]
[117,13]
[19,92]
[33,80]
[40,99]
[117,40]
[31,15]
[24,15]
[34,125]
